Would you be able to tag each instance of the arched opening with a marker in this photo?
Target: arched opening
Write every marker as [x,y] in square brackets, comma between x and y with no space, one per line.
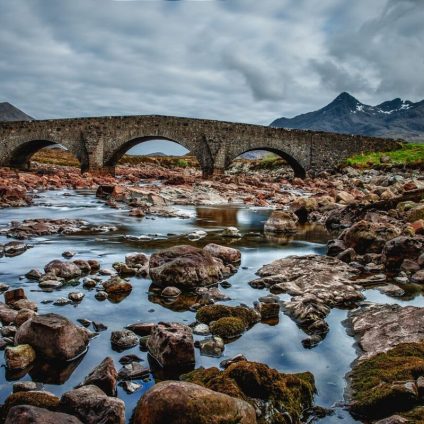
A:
[265,160]
[153,153]
[45,152]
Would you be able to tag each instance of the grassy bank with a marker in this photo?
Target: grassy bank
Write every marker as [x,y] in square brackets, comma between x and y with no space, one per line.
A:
[409,155]
[62,157]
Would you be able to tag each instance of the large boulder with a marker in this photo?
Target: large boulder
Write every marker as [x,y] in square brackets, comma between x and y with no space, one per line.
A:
[281,222]
[26,414]
[91,405]
[172,345]
[176,402]
[185,267]
[53,336]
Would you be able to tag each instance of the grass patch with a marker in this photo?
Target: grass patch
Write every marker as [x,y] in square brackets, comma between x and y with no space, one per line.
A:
[409,155]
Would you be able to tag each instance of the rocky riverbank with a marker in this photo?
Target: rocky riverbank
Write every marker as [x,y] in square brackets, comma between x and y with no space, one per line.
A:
[377,223]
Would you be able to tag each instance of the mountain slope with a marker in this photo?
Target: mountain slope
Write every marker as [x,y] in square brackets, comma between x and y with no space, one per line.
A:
[347,115]
[9,112]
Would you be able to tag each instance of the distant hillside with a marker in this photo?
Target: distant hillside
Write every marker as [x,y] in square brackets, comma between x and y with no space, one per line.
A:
[345,114]
[9,112]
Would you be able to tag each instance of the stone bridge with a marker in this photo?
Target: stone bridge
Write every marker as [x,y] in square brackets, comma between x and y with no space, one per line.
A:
[99,143]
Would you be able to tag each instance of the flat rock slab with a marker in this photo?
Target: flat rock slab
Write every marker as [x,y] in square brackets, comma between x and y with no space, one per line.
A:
[379,328]
[317,284]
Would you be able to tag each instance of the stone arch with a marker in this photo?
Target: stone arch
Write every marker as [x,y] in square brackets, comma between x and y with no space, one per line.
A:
[20,156]
[119,149]
[298,169]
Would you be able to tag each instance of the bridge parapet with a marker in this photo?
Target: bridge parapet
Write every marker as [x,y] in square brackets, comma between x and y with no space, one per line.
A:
[99,143]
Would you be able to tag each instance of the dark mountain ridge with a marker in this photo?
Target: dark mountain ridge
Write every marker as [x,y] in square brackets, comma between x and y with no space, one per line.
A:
[9,112]
[393,119]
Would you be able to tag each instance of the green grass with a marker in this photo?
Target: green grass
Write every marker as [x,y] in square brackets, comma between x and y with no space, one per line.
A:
[410,154]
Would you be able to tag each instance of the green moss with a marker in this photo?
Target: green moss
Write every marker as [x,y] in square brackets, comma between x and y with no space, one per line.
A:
[410,154]
[282,396]
[373,393]
[228,327]
[210,313]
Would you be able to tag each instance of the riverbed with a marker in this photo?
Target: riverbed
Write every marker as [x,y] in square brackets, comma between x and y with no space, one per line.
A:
[278,345]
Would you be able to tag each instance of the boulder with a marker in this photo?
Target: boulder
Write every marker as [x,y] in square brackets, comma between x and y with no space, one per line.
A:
[124,339]
[185,267]
[103,376]
[62,269]
[418,277]
[172,345]
[415,213]
[38,398]
[277,397]
[228,255]
[281,222]
[19,357]
[7,314]
[344,197]
[53,336]
[209,313]
[117,285]
[137,260]
[26,414]
[177,402]
[400,248]
[91,405]
[369,237]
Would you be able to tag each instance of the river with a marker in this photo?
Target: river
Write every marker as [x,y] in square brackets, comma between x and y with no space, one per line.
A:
[279,346]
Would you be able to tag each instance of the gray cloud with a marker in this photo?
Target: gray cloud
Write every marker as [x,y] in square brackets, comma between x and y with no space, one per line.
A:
[239,60]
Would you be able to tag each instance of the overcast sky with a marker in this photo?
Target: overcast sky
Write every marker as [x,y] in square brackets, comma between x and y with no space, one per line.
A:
[237,60]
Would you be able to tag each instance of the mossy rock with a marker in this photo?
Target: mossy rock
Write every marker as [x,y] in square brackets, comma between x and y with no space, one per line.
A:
[281,397]
[210,313]
[378,383]
[228,327]
[41,399]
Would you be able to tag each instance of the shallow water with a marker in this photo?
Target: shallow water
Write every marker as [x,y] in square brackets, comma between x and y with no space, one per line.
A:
[278,346]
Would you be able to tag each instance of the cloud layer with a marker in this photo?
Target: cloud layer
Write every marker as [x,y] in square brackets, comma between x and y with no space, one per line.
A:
[237,60]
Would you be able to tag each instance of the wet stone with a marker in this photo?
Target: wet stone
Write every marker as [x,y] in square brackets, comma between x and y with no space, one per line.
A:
[133,371]
[124,339]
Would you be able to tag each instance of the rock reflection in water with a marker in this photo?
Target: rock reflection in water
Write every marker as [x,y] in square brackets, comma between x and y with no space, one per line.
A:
[181,303]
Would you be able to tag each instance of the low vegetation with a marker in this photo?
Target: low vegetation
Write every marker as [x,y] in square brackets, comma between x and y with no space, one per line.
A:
[409,155]
[62,157]
[281,398]
[380,384]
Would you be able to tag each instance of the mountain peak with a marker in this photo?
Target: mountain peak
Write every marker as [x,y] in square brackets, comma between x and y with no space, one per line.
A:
[395,118]
[8,112]
[345,96]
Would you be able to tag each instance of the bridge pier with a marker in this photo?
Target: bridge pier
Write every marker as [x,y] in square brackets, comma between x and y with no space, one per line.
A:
[210,173]
[101,170]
